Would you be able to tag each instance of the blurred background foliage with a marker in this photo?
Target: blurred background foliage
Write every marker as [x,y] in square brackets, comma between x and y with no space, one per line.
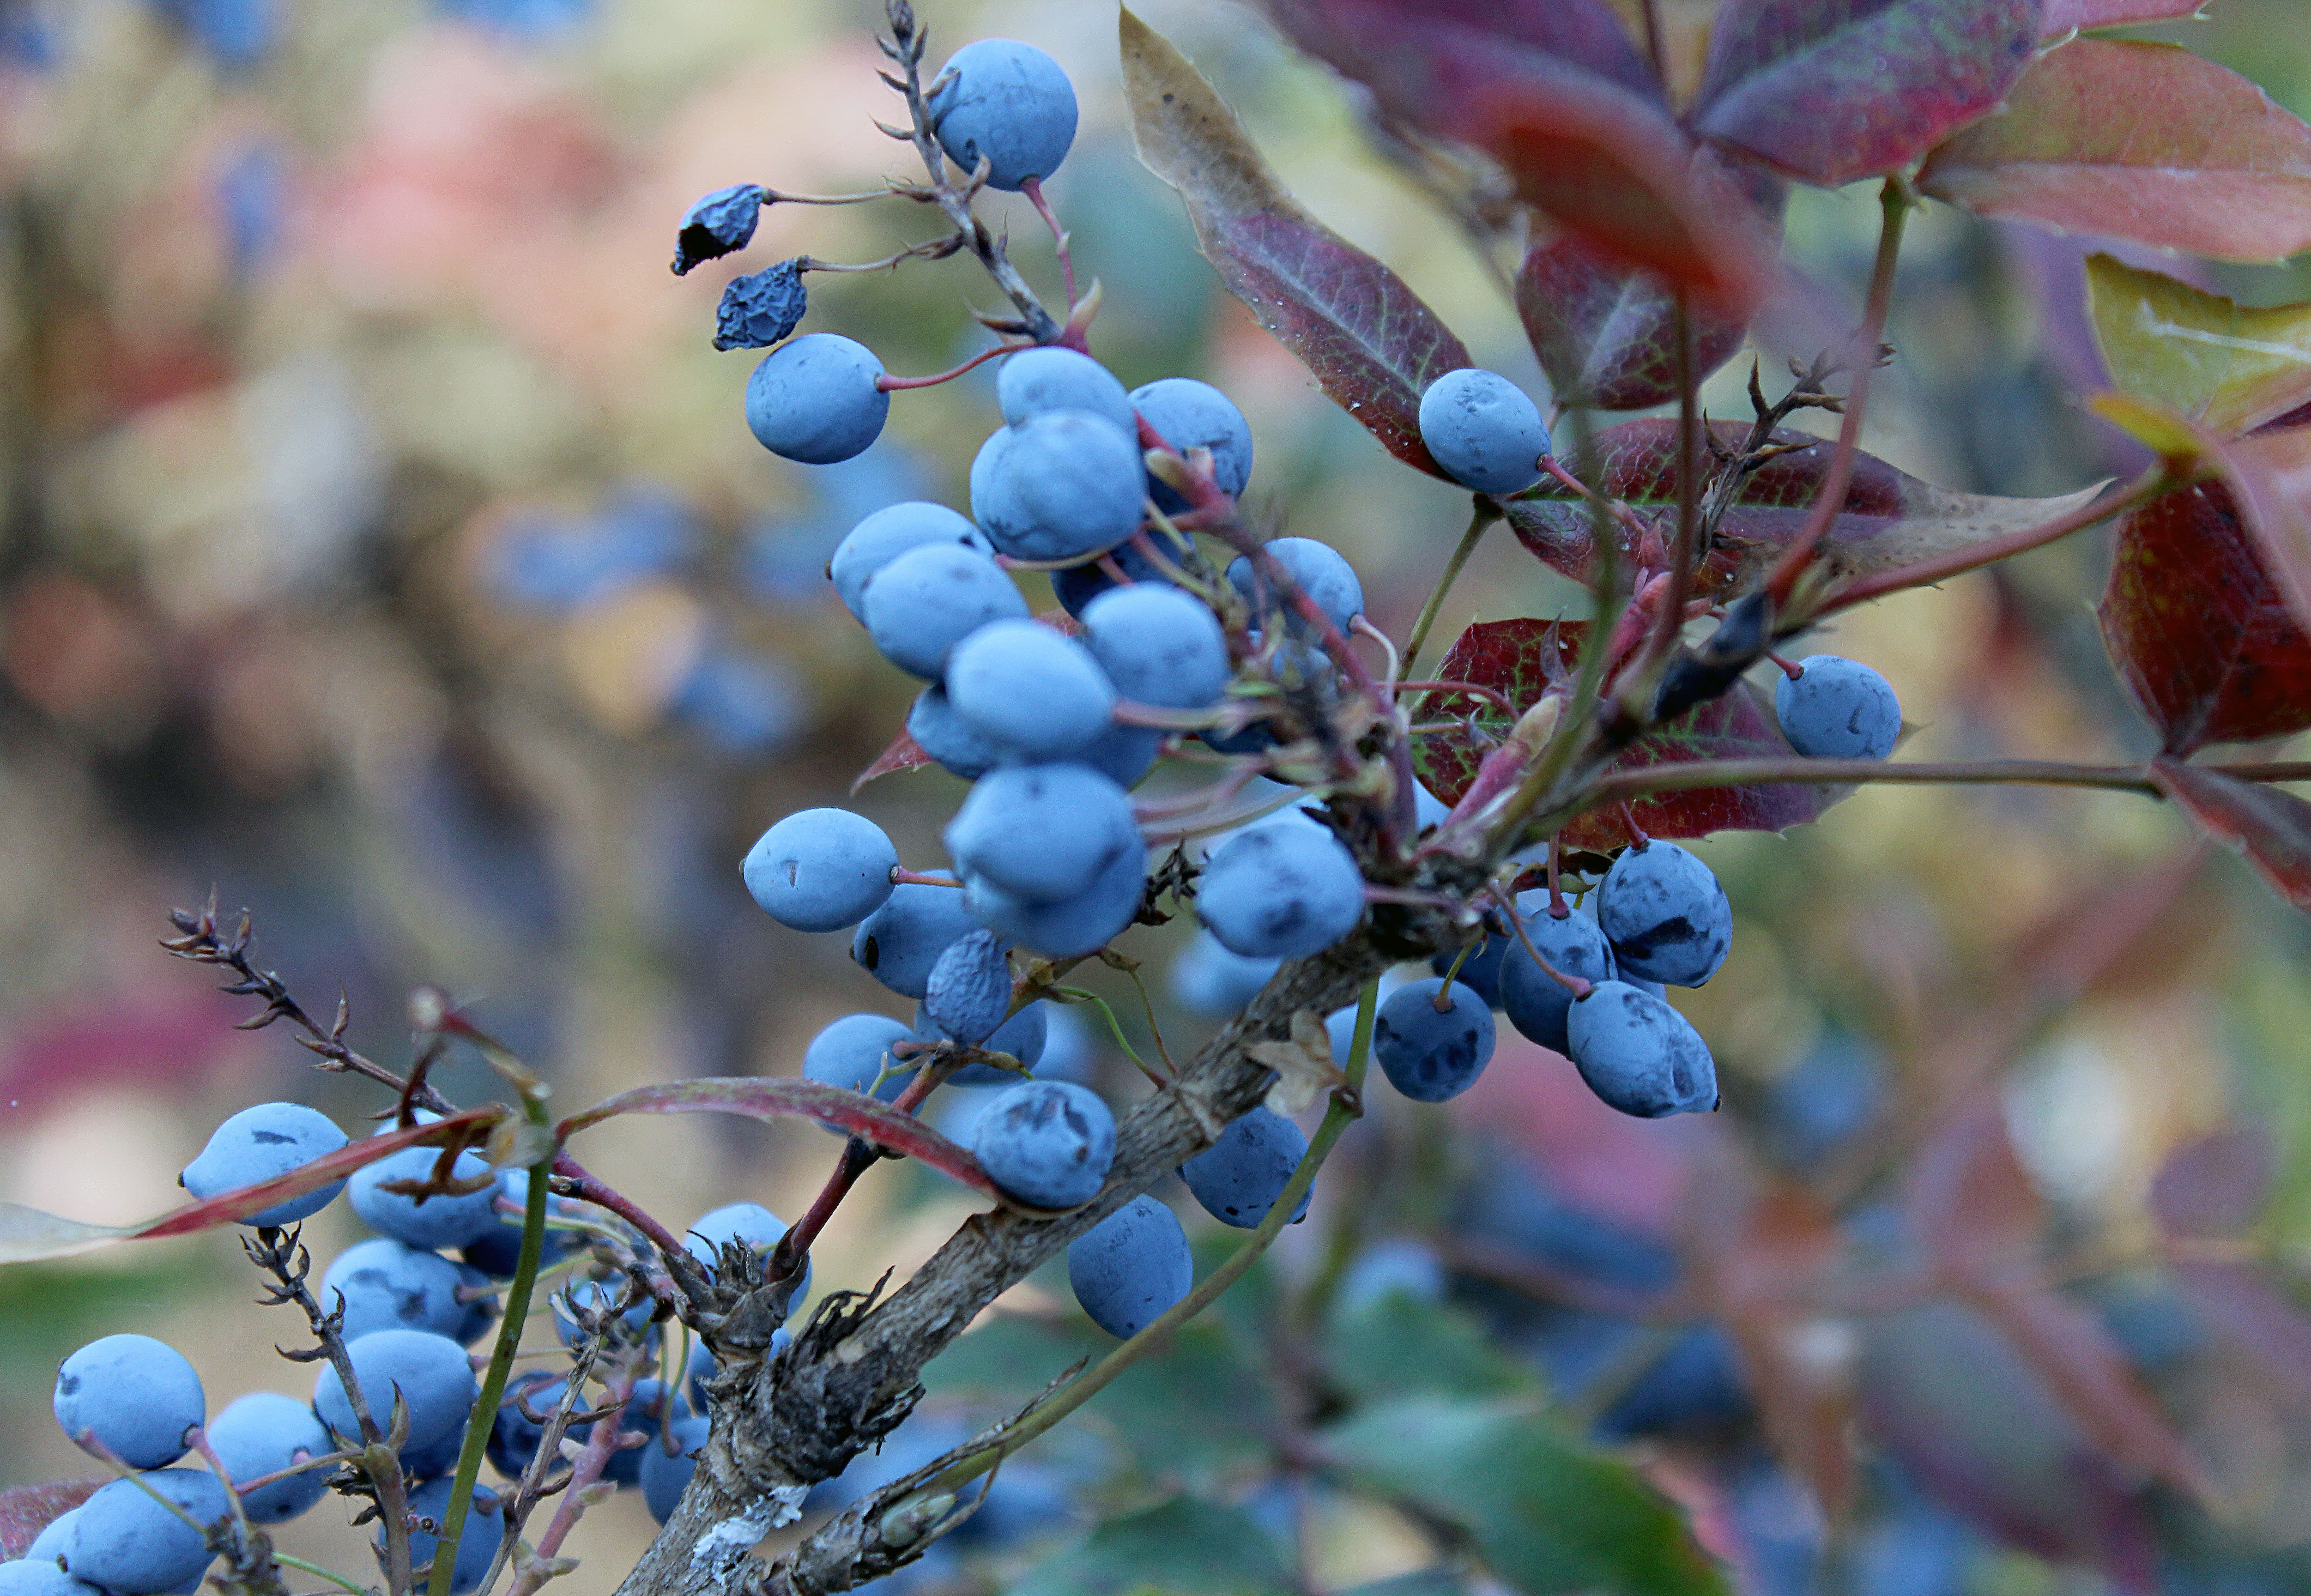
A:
[384,550]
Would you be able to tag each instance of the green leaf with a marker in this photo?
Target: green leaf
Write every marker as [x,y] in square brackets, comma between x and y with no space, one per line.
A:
[2227,365]
[1546,1514]
[1182,1548]
[1400,1346]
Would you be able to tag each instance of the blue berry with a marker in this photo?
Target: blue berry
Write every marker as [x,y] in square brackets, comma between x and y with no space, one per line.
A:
[1190,414]
[930,598]
[1392,1268]
[442,1219]
[747,1222]
[1239,1177]
[1075,586]
[1123,754]
[1427,1055]
[761,308]
[1049,1143]
[497,1254]
[1063,485]
[900,942]
[1070,927]
[1031,691]
[821,869]
[888,533]
[1158,644]
[647,1411]
[854,1049]
[960,748]
[1008,104]
[1040,832]
[1283,889]
[1665,914]
[477,1544]
[1131,1266]
[1051,378]
[1023,1036]
[1321,571]
[1480,972]
[1484,431]
[666,1475]
[1535,1003]
[387,1285]
[137,1394]
[1839,708]
[262,1144]
[123,1540]
[970,990]
[816,399]
[35,1575]
[700,1368]
[514,1435]
[596,1298]
[717,225]
[1640,1055]
[432,1374]
[1218,981]
[435,1458]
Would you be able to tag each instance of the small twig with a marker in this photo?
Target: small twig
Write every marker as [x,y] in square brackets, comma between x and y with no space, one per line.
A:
[1034,190]
[890,384]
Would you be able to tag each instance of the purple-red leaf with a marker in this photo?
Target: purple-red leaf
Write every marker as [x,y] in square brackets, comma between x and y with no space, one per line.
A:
[1607,334]
[1830,91]
[2146,142]
[26,1510]
[2216,1186]
[2271,828]
[904,754]
[2071,16]
[1372,345]
[2255,1317]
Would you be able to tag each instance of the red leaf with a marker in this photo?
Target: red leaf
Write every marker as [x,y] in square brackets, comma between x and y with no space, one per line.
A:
[904,754]
[2255,1317]
[2272,829]
[1969,1198]
[1831,90]
[2215,1186]
[2065,16]
[1522,659]
[1371,344]
[2270,471]
[26,1510]
[1607,334]
[2146,142]
[2202,636]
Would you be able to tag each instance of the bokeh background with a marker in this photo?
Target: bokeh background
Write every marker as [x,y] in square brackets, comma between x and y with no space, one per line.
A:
[384,551]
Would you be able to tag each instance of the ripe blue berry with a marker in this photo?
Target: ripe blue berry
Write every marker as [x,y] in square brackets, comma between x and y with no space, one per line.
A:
[666,1475]
[261,1143]
[1484,431]
[497,1254]
[1239,1177]
[1070,927]
[1283,889]
[1076,585]
[647,1411]
[261,1434]
[1158,644]
[721,222]
[477,1546]
[440,1220]
[821,869]
[1480,972]
[1190,414]
[35,1575]
[1049,1143]
[815,400]
[1051,378]
[436,1458]
[432,1372]
[970,990]
[1023,1036]
[123,1540]
[855,1049]
[761,308]
[514,1435]
[596,1299]
[1666,915]
[958,747]
[137,1394]
[928,599]
[1061,486]
[1031,691]
[888,533]
[1040,832]
[1839,708]
[1216,981]
[1005,103]
[1535,1003]
[1640,1055]
[1123,754]
[1130,1267]
[1427,1055]
[749,1222]
[1321,571]
[386,1285]
[900,942]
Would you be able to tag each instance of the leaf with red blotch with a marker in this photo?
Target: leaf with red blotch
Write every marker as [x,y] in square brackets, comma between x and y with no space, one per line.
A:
[2229,367]
[1371,344]
[1524,659]
[2215,1186]
[2200,634]
[1607,334]
[1555,91]
[26,1510]
[2145,142]
[2071,16]
[1830,91]
[2271,828]
[904,754]
[1890,520]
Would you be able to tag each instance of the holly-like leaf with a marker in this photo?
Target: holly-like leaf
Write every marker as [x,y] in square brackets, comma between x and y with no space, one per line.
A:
[2271,828]
[1523,660]
[1607,334]
[2227,366]
[1371,344]
[2071,16]
[2146,142]
[26,1510]
[2200,634]
[2270,474]
[1830,91]
[1181,1548]
[904,754]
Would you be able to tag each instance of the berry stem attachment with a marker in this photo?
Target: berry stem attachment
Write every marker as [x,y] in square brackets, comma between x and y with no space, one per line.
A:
[889,384]
[1577,985]
[1789,667]
[903,876]
[1557,908]
[1034,190]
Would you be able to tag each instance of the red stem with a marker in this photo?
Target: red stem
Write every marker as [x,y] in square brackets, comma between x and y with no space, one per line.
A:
[587,1189]
[1034,190]
[855,1160]
[890,384]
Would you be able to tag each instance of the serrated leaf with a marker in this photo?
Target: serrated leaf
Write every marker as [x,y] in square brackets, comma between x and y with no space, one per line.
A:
[2067,16]
[1607,334]
[2267,826]
[2146,142]
[1547,1515]
[1399,1345]
[1830,91]
[2228,366]
[1182,1548]
[1367,337]
[904,754]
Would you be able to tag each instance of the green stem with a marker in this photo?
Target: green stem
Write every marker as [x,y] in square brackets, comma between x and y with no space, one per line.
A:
[1348,1221]
[315,1569]
[1480,520]
[1114,1026]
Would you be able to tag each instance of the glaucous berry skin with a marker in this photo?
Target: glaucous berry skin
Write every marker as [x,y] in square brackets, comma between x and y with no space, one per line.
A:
[123,1540]
[647,1412]
[1666,914]
[261,1143]
[664,1475]
[1535,1002]
[1189,414]
[261,1434]
[477,1546]
[1640,1055]
[717,225]
[1158,645]
[137,1394]
[888,533]
[1480,972]
[815,399]
[1031,691]
[821,869]
[1023,1036]
[1008,104]
[928,599]
[30,1576]
[432,1374]
[1484,430]
[958,747]
[442,1219]
[761,308]
[597,1298]
[900,942]
[1124,754]
[1077,585]
[1428,1056]
[970,990]
[1321,571]
[1040,832]
[514,1435]
[388,1284]
[1283,889]
[854,1049]
[1839,708]
[1049,1143]
[1216,981]
[1050,377]
[1239,1177]
[1131,1266]
[1070,927]
[749,1222]
[1060,485]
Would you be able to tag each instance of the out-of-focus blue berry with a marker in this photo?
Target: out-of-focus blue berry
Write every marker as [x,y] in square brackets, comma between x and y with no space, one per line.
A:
[439,1219]
[761,308]
[745,703]
[238,33]
[33,1574]
[722,222]
[497,1252]
[666,1474]
[900,942]
[1400,1267]
[1008,104]
[1211,979]
[261,1434]
[854,1049]
[815,399]
[960,747]
[1320,569]
[748,1222]
[1023,1036]
[1076,585]
[477,1543]
[1696,1385]
[138,1395]
[521,18]
[557,564]
[264,1143]
[249,201]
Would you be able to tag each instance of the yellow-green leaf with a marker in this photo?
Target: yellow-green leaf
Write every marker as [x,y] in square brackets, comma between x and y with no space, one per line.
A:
[2228,366]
